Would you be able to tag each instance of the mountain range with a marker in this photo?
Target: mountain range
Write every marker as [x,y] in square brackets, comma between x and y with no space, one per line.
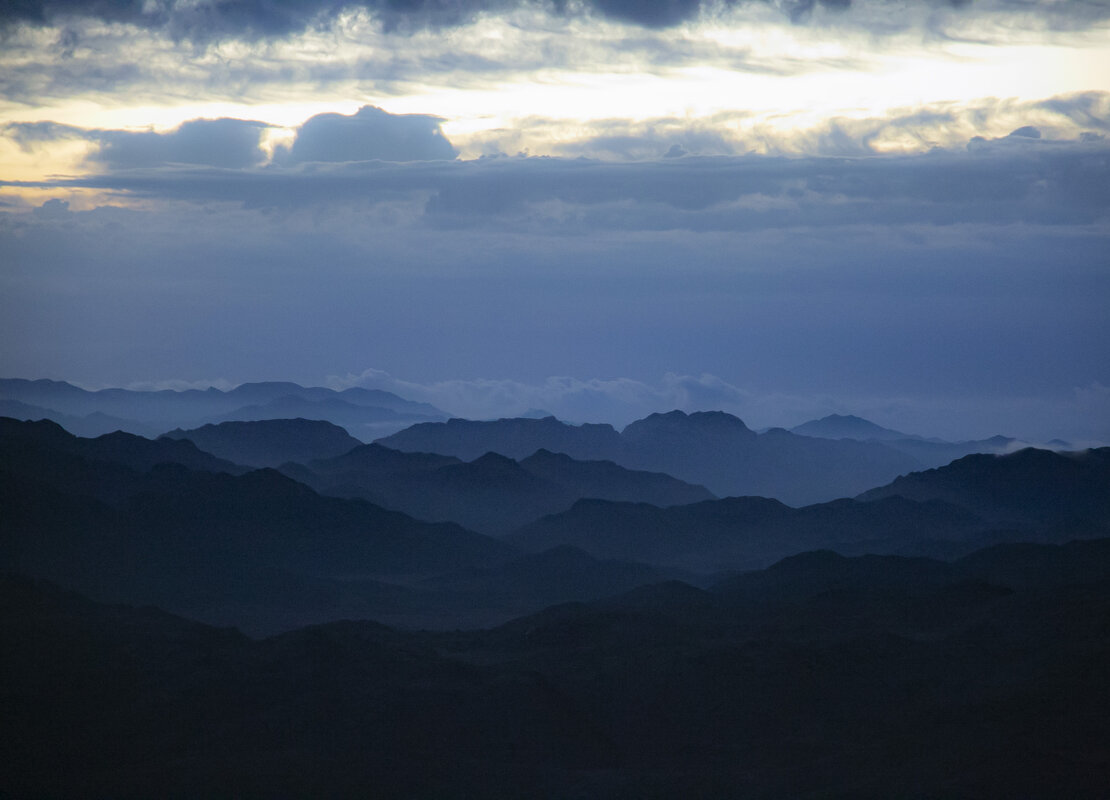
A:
[712,449]
[817,461]
[366,413]
[624,633]
[493,493]
[124,518]
[928,453]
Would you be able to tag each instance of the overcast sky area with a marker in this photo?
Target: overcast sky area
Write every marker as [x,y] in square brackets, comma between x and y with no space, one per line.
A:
[599,208]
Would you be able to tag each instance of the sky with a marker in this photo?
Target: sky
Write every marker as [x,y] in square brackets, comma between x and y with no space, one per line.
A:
[597,208]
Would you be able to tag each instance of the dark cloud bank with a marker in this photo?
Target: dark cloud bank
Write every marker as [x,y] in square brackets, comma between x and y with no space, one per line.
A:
[369,134]
[264,18]
[361,159]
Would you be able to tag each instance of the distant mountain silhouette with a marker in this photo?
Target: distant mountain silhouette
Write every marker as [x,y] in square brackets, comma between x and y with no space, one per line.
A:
[554,576]
[927,452]
[128,519]
[368,422]
[516,438]
[95,424]
[609,481]
[110,517]
[492,494]
[271,442]
[841,426]
[149,412]
[740,533]
[1028,488]
[24,440]
[713,449]
[931,453]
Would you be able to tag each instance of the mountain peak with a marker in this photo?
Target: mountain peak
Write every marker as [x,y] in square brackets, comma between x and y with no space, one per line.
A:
[679,422]
[846,426]
[492,460]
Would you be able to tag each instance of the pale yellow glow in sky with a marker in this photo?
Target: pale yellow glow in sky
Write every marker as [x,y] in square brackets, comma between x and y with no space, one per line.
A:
[834,78]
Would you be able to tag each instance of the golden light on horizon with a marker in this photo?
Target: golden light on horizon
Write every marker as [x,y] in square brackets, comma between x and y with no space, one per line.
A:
[749,83]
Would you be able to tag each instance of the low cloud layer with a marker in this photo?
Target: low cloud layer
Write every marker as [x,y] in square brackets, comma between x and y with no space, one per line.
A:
[1024,177]
[236,144]
[367,135]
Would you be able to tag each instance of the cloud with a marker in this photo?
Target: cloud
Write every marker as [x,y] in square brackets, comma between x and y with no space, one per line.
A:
[369,134]
[650,13]
[943,125]
[613,400]
[1001,181]
[373,134]
[236,144]
[54,208]
[225,143]
[28,135]
[309,51]
[259,19]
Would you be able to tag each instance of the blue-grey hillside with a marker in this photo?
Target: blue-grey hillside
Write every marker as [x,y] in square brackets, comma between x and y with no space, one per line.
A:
[741,533]
[269,443]
[1028,488]
[493,493]
[848,426]
[516,438]
[25,441]
[928,452]
[1032,495]
[126,519]
[367,413]
[712,449]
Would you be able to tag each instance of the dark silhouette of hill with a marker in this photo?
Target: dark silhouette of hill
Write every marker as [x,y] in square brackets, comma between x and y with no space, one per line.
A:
[1028,488]
[516,438]
[712,449]
[90,425]
[148,412]
[848,426]
[881,676]
[256,549]
[114,518]
[369,422]
[751,532]
[202,543]
[271,442]
[607,480]
[931,453]
[927,452]
[492,494]
[23,439]
[535,581]
[372,463]
[122,702]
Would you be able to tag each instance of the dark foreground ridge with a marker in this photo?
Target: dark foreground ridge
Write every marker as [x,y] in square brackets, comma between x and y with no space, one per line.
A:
[824,676]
